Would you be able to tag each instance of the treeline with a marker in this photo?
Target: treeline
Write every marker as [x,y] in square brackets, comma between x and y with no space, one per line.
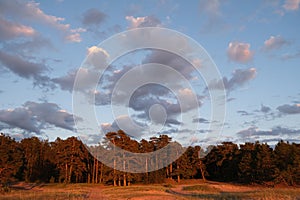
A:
[68,161]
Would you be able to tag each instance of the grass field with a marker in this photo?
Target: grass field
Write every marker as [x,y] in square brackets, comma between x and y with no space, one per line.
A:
[186,190]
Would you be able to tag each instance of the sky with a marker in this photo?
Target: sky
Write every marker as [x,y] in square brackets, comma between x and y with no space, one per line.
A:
[255,46]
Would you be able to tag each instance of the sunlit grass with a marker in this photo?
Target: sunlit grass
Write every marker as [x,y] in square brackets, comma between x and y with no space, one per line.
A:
[157,191]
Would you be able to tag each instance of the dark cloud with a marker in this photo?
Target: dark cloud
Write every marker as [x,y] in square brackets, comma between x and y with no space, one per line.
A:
[200,120]
[276,131]
[289,109]
[169,59]
[52,114]
[27,47]
[66,82]
[33,117]
[265,109]
[20,66]
[93,17]
[243,113]
[132,127]
[238,79]
[26,69]
[19,118]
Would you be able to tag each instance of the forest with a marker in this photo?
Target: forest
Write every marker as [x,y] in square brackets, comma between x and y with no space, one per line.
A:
[69,161]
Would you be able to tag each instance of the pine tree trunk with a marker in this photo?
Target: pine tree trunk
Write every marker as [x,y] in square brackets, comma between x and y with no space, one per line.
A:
[101,173]
[93,173]
[66,176]
[70,174]
[97,169]
[115,181]
[171,170]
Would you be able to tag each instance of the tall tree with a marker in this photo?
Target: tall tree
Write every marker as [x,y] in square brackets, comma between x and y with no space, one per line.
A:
[11,159]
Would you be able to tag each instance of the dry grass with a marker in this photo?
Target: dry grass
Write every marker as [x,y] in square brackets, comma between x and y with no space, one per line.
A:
[194,190]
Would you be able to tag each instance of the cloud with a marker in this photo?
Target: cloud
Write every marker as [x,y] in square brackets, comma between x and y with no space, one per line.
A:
[85,76]
[93,17]
[33,117]
[51,113]
[125,123]
[239,52]
[289,109]
[10,30]
[200,120]
[243,113]
[20,118]
[97,56]
[30,11]
[291,5]
[275,131]
[289,56]
[27,47]
[274,42]
[238,79]
[147,21]
[265,109]
[211,9]
[22,67]
[75,36]
[169,59]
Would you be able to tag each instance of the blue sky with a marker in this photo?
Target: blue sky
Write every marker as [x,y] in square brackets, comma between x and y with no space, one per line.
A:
[254,44]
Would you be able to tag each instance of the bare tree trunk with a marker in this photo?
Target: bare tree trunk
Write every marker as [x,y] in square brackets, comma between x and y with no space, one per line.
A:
[202,170]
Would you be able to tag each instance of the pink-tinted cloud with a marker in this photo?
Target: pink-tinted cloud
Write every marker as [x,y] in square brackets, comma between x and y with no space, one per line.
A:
[274,42]
[30,11]
[239,52]
[291,5]
[10,30]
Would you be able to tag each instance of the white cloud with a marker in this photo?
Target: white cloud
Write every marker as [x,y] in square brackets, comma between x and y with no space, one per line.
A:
[274,42]
[147,21]
[73,37]
[239,52]
[97,56]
